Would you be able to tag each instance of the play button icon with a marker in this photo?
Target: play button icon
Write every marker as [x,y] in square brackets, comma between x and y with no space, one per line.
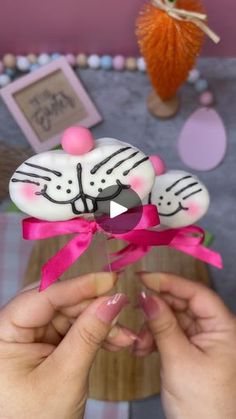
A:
[116,209]
[116,203]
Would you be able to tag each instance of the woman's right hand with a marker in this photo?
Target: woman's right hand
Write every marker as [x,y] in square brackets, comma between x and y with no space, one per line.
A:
[195,334]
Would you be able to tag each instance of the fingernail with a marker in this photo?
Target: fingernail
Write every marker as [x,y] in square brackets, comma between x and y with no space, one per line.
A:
[149,305]
[114,332]
[105,281]
[130,334]
[110,308]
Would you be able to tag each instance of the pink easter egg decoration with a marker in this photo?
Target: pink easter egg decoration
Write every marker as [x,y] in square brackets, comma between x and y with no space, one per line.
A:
[203,142]
[158,164]
[77,141]
[206,98]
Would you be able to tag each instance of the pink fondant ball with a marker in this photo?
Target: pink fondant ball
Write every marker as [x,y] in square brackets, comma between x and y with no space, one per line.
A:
[71,59]
[77,141]
[119,62]
[158,164]
[206,98]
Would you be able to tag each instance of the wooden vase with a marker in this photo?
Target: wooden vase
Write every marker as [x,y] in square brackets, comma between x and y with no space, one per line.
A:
[162,109]
[121,376]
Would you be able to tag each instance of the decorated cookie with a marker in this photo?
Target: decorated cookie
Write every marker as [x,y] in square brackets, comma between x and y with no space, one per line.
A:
[180,197]
[62,184]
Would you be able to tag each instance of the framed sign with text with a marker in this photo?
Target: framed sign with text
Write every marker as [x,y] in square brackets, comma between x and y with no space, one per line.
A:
[47,102]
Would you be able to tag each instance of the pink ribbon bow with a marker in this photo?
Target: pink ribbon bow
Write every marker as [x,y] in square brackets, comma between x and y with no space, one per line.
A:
[140,239]
[34,229]
[185,239]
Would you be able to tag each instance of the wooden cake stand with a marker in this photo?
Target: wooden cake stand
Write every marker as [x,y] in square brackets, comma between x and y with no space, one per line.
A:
[120,376]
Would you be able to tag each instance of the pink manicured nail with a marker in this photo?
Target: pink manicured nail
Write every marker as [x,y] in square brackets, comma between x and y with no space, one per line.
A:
[149,305]
[109,309]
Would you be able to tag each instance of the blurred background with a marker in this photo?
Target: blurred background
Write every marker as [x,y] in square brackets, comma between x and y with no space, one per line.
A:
[101,26]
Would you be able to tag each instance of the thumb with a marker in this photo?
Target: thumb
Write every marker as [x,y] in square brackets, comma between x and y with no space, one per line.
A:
[76,352]
[169,337]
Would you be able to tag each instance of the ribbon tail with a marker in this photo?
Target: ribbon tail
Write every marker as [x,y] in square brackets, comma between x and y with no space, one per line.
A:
[208,31]
[202,253]
[129,255]
[62,260]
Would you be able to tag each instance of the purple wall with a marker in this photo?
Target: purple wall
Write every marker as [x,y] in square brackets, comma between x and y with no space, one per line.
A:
[102,26]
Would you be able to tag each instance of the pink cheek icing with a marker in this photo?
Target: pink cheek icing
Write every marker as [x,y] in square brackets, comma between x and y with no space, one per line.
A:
[136,183]
[194,209]
[28,192]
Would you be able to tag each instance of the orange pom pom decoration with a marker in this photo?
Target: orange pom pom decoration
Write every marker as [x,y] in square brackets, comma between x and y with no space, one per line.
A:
[169,45]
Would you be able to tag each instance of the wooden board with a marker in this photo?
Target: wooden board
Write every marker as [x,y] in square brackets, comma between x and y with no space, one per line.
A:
[120,376]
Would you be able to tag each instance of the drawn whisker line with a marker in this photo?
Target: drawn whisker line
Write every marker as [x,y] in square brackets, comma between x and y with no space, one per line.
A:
[186,187]
[135,165]
[36,166]
[109,171]
[192,193]
[107,159]
[177,181]
[34,175]
[25,181]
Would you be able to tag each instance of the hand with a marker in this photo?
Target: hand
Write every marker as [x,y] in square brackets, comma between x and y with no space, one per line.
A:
[195,335]
[48,342]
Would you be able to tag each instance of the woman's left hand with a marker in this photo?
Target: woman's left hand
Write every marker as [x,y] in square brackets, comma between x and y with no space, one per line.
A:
[48,342]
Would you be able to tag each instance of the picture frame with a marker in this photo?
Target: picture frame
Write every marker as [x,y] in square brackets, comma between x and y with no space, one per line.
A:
[49,100]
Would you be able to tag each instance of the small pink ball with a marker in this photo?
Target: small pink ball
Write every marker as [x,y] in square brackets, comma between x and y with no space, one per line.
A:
[206,98]
[71,59]
[158,164]
[1,67]
[77,141]
[119,62]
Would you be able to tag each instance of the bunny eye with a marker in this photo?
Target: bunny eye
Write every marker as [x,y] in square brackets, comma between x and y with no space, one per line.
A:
[58,187]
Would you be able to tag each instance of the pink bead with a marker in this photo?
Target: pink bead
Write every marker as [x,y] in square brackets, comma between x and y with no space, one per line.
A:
[158,164]
[77,141]
[206,98]
[119,62]
[71,59]
[1,67]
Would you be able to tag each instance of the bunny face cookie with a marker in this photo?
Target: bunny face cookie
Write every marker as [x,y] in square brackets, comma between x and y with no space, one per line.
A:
[56,185]
[180,197]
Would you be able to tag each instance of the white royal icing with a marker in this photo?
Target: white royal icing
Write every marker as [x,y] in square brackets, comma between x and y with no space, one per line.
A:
[58,186]
[180,197]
